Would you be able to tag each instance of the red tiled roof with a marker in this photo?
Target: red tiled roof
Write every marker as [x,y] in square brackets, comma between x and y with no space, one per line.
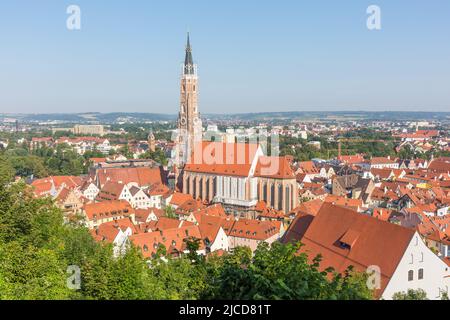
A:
[274,167]
[381,160]
[63,194]
[232,159]
[252,229]
[179,198]
[141,215]
[108,231]
[308,167]
[440,165]
[361,236]
[105,209]
[172,239]
[344,202]
[44,185]
[352,159]
[142,176]
[382,213]
[110,191]
[158,190]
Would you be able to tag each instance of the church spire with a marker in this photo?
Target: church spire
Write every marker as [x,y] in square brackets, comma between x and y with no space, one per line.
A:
[188,61]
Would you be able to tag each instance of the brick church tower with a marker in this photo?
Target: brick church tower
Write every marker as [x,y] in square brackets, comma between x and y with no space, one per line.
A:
[151,141]
[189,123]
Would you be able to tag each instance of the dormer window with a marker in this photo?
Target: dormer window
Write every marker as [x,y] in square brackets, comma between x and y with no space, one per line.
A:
[349,239]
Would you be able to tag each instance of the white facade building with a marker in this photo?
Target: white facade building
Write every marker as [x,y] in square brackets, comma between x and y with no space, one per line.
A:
[419,268]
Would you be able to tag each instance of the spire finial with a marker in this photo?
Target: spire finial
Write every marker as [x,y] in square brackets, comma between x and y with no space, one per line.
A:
[188,61]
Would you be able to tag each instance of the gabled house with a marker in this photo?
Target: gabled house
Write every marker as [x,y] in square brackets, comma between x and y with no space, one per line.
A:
[139,198]
[114,191]
[148,215]
[346,238]
[117,233]
[250,233]
[98,213]
[89,190]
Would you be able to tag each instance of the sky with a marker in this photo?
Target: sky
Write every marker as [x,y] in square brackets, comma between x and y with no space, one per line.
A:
[252,55]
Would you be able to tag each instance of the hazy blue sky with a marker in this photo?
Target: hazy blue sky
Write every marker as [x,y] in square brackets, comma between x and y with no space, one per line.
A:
[253,55]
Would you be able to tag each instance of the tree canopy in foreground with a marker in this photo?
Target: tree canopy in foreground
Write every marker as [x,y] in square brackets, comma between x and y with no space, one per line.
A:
[36,249]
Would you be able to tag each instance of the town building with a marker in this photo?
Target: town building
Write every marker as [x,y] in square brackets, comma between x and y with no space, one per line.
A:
[238,175]
[346,238]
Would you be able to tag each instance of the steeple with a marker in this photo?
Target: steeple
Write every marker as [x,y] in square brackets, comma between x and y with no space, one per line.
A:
[189,122]
[188,61]
[151,141]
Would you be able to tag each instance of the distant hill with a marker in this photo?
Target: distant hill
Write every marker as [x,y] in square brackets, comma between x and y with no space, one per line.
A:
[262,116]
[333,115]
[92,117]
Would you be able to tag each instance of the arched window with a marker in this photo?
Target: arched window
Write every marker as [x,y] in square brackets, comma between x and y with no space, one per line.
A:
[288,199]
[200,192]
[420,274]
[272,195]
[208,189]
[194,187]
[280,197]
[265,192]
[258,192]
[187,184]
[410,275]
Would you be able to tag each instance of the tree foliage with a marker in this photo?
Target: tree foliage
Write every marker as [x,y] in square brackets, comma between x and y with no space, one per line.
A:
[37,247]
[411,294]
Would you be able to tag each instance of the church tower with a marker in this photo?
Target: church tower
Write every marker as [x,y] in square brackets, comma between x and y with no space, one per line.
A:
[189,123]
[151,141]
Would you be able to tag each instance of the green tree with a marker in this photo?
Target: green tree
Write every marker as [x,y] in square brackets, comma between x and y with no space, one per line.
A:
[157,156]
[6,171]
[411,294]
[169,212]
[279,272]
